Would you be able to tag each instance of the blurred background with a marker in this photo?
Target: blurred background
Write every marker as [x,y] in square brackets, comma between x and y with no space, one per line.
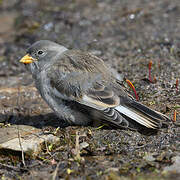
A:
[116,30]
[126,34]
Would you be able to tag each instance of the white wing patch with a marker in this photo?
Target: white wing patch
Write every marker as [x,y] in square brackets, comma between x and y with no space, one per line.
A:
[129,113]
[99,105]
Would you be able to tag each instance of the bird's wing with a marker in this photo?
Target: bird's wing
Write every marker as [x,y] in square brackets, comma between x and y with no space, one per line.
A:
[84,78]
[85,88]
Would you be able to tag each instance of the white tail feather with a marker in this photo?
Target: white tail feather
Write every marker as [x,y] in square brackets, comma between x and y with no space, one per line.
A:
[136,117]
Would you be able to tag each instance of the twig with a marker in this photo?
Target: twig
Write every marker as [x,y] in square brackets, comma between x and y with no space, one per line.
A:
[55,172]
[47,148]
[77,148]
[19,137]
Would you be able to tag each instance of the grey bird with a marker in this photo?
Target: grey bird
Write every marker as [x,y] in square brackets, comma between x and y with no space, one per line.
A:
[81,89]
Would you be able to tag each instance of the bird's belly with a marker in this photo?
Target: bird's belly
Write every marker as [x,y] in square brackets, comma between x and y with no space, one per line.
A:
[47,91]
[42,85]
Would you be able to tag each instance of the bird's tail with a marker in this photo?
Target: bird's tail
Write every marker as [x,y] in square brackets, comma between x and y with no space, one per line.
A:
[138,114]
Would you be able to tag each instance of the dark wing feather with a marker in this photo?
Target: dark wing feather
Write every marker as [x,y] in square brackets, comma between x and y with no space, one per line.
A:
[102,94]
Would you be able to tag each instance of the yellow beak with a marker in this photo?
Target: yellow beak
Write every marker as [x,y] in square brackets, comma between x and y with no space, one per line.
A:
[27,59]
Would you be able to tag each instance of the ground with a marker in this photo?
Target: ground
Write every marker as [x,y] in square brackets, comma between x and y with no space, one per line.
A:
[127,35]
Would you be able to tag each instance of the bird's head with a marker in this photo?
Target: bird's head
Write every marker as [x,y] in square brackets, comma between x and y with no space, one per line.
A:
[41,54]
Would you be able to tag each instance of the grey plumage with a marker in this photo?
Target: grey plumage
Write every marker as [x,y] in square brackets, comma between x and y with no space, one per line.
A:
[80,89]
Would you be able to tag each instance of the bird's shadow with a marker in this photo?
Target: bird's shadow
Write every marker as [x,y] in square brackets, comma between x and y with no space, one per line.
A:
[39,121]
[42,121]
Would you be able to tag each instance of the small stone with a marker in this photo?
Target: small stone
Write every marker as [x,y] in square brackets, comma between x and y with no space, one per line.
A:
[83,145]
[31,139]
[149,157]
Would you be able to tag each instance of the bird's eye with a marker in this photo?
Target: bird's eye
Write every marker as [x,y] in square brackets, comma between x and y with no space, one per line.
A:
[40,52]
